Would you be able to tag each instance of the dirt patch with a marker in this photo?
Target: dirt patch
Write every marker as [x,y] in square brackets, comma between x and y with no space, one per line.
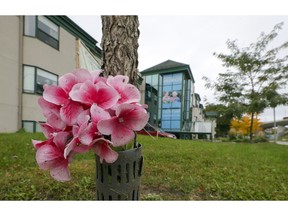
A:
[163,193]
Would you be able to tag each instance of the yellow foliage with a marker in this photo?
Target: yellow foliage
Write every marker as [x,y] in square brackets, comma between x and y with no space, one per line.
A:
[242,126]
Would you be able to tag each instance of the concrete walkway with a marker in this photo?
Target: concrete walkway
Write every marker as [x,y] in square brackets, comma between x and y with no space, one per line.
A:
[282,142]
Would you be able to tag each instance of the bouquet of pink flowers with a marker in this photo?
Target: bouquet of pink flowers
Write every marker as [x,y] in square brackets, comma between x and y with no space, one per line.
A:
[87,111]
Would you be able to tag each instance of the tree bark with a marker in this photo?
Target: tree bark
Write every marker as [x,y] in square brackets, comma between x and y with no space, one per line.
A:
[251,127]
[120,46]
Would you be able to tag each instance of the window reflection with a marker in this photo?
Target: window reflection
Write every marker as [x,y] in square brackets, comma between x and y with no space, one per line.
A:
[30,26]
[171,101]
[43,29]
[42,77]
[29,79]
[151,97]
[169,108]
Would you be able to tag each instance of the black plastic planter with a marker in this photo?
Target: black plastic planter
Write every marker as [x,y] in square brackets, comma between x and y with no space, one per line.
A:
[121,179]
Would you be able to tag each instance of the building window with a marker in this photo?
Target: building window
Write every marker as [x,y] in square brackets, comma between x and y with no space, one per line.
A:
[42,28]
[152,97]
[172,100]
[149,93]
[31,126]
[154,118]
[30,26]
[34,78]
[38,128]
[44,77]
[29,79]
[28,126]
[47,32]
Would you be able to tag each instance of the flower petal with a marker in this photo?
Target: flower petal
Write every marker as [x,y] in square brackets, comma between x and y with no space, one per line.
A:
[120,135]
[84,93]
[55,121]
[61,140]
[103,150]
[84,117]
[67,81]
[86,133]
[101,80]
[38,143]
[107,96]
[75,147]
[70,146]
[89,93]
[47,107]
[128,92]
[48,156]
[82,75]
[70,111]
[75,130]
[61,173]
[47,130]
[134,117]
[81,148]
[118,81]
[106,126]
[95,75]
[55,95]
[98,113]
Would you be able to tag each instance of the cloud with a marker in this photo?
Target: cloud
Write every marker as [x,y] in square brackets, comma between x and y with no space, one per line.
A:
[192,40]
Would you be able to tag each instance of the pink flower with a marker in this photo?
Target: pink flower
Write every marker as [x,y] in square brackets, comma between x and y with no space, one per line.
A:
[128,92]
[80,112]
[85,132]
[89,93]
[50,133]
[69,109]
[50,157]
[52,113]
[67,81]
[102,149]
[129,118]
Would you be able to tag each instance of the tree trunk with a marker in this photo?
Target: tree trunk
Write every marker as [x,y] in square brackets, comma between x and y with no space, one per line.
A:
[251,127]
[275,130]
[120,46]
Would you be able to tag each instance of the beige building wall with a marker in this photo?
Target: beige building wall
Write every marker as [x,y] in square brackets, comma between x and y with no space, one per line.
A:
[39,54]
[9,72]
[17,50]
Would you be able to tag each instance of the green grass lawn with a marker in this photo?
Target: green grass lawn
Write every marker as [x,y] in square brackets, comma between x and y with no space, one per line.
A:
[173,170]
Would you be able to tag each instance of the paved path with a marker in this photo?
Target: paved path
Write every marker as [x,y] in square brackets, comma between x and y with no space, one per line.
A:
[282,142]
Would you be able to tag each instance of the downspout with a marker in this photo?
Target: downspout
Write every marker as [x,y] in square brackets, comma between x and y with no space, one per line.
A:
[77,53]
[20,73]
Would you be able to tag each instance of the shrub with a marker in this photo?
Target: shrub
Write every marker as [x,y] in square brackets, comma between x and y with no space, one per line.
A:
[260,137]
[232,134]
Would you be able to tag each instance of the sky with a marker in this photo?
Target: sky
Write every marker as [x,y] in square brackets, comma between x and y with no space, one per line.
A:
[192,40]
[185,31]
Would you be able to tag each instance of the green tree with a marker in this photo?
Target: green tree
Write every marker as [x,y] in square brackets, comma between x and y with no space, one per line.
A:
[225,115]
[255,75]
